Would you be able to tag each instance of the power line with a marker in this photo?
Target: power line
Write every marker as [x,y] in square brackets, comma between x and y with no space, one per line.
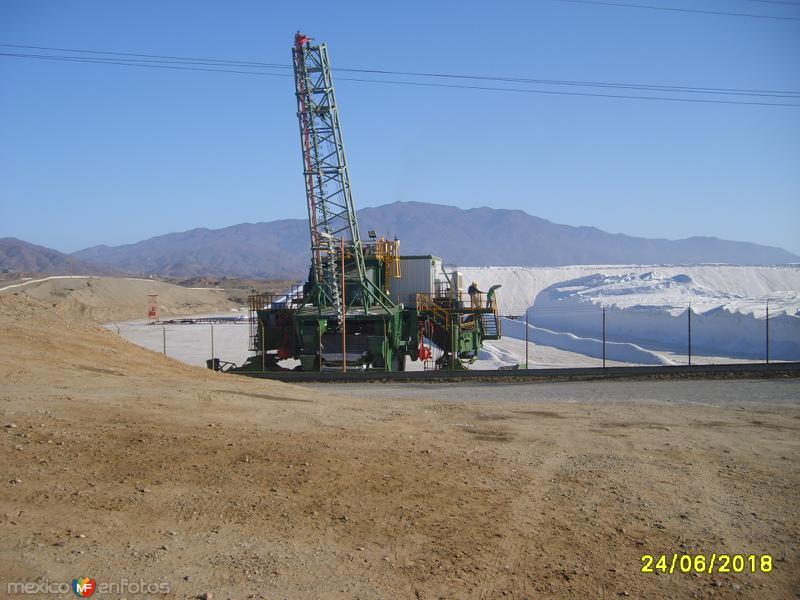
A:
[560,93]
[213,60]
[685,10]
[123,62]
[784,2]
[255,64]
[111,61]
[633,86]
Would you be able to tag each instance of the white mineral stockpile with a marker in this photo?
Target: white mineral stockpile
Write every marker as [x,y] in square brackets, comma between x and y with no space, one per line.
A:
[646,310]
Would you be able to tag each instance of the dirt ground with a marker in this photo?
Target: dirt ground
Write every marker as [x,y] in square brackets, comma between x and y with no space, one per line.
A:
[120,463]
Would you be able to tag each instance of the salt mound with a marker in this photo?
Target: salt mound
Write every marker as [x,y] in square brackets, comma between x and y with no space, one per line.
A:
[647,306]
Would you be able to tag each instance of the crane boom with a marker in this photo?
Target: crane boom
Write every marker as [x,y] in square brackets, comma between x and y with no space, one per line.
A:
[331,212]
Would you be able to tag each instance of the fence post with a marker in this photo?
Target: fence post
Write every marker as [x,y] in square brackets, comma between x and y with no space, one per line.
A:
[452,342]
[164,332]
[604,337]
[689,313]
[766,326]
[526,340]
[212,348]
[344,316]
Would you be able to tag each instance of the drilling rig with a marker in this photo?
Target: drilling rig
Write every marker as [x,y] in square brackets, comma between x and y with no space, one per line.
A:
[364,305]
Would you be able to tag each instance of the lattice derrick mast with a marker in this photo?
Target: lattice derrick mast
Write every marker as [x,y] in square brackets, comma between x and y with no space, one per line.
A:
[331,211]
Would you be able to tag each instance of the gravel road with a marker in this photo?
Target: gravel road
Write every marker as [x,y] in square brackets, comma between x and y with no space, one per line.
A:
[728,393]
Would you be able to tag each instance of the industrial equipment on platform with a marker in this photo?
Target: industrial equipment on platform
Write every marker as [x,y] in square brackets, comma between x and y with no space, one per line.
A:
[364,306]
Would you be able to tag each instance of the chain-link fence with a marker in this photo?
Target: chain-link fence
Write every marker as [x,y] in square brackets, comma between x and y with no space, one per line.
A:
[552,337]
[585,336]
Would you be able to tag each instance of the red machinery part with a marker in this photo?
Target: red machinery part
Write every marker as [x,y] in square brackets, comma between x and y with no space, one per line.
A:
[300,39]
[424,352]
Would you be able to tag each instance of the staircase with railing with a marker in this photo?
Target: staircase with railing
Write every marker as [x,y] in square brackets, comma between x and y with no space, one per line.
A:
[492,330]
[492,326]
[438,314]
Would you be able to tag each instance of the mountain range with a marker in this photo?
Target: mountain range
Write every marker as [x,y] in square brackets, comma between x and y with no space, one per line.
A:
[23,257]
[471,237]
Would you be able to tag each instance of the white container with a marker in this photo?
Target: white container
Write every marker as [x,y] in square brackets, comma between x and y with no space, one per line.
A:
[416,277]
[459,281]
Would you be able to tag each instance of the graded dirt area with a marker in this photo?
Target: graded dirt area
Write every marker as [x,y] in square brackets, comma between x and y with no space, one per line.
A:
[120,464]
[119,298]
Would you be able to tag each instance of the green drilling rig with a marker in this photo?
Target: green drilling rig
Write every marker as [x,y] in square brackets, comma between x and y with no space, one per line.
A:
[364,305]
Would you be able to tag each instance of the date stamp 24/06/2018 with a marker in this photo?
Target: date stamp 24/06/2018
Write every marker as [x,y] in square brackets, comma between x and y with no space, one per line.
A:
[707,563]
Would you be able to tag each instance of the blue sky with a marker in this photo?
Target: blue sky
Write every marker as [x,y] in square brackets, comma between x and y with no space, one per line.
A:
[100,154]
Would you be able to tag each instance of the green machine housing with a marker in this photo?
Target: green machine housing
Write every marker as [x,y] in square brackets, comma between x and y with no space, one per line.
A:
[421,313]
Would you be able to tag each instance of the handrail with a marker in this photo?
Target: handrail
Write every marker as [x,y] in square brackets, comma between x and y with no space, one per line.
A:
[440,315]
[495,309]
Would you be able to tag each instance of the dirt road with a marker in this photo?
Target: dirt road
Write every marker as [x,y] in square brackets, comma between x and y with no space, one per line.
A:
[120,463]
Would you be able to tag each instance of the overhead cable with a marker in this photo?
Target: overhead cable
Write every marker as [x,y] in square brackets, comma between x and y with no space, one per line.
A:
[208,64]
[683,10]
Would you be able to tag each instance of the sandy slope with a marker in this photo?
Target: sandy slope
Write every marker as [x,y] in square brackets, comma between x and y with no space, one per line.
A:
[119,462]
[116,298]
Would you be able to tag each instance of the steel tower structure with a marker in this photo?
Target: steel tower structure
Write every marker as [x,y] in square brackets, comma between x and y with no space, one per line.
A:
[331,211]
[343,316]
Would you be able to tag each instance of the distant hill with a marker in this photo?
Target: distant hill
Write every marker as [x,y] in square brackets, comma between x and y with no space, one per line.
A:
[474,237]
[500,237]
[275,250]
[23,257]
